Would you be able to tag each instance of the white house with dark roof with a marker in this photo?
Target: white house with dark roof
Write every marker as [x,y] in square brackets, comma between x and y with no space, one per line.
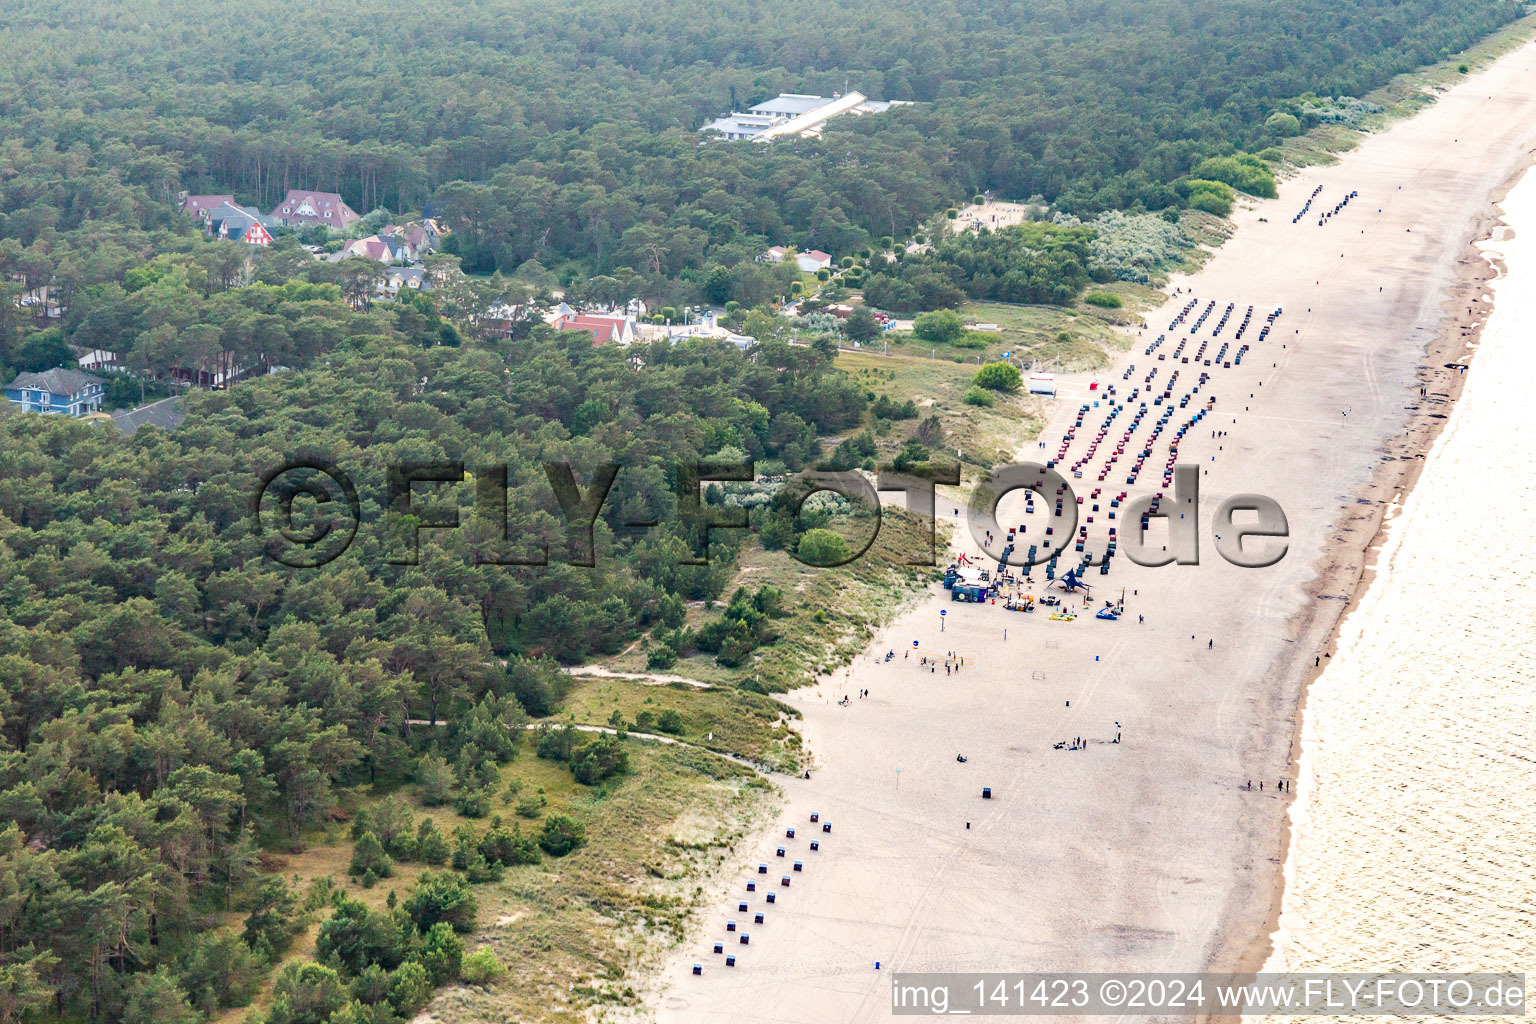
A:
[69,392]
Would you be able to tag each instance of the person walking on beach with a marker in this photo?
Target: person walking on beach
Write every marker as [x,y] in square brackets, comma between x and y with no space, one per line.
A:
[1209,644]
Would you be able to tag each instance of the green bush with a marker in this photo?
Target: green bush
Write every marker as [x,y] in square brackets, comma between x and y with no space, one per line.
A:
[1104,300]
[442,896]
[1283,124]
[941,326]
[561,836]
[1211,196]
[977,396]
[368,855]
[482,967]
[1244,172]
[662,656]
[599,760]
[823,548]
[999,377]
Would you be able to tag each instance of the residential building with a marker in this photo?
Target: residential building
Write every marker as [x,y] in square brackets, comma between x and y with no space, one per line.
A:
[69,392]
[96,359]
[422,236]
[384,248]
[302,209]
[201,206]
[810,262]
[240,224]
[615,328]
[398,279]
[166,414]
[775,254]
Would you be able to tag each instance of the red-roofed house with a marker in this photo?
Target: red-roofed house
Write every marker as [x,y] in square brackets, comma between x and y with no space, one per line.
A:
[605,327]
[302,209]
[202,206]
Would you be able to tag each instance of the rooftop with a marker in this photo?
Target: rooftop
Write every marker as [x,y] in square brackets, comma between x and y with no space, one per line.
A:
[56,381]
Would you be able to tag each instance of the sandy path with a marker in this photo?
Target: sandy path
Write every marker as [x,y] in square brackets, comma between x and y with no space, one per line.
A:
[1148,854]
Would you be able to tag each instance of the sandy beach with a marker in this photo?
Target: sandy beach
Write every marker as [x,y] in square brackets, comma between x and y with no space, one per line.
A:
[1151,853]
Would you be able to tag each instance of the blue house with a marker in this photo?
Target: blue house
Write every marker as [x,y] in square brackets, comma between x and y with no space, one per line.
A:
[66,391]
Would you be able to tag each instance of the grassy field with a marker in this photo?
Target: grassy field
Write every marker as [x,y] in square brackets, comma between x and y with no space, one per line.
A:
[573,931]
[725,719]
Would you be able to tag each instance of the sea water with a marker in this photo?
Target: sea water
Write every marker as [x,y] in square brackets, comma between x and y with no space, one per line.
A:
[1413,841]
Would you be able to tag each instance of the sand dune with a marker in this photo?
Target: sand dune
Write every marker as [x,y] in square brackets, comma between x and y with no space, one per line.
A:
[1147,854]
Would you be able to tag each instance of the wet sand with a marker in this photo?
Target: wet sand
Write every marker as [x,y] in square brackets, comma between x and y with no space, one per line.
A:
[1148,854]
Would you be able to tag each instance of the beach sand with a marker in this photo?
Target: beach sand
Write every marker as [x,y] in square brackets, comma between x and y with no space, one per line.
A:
[1148,854]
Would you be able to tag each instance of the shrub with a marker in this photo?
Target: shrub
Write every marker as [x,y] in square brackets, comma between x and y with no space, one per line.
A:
[442,953]
[1244,172]
[410,989]
[482,967]
[431,844]
[669,721]
[999,377]
[307,993]
[442,896]
[823,548]
[1104,300]
[1210,202]
[1131,246]
[1210,196]
[368,856]
[977,396]
[887,408]
[662,656]
[436,779]
[942,326]
[599,760]
[561,836]
[1284,125]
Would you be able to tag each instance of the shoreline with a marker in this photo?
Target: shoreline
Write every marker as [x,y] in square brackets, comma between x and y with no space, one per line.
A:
[1457,342]
[1085,859]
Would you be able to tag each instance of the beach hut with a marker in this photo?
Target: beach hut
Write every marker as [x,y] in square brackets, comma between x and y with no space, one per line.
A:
[745,939]
[780,853]
[751,887]
[719,947]
[826,826]
[730,926]
[741,907]
[789,833]
[698,968]
[730,960]
[773,897]
[815,845]
[986,793]
[757,918]
[762,869]
[799,866]
[815,816]
[784,881]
